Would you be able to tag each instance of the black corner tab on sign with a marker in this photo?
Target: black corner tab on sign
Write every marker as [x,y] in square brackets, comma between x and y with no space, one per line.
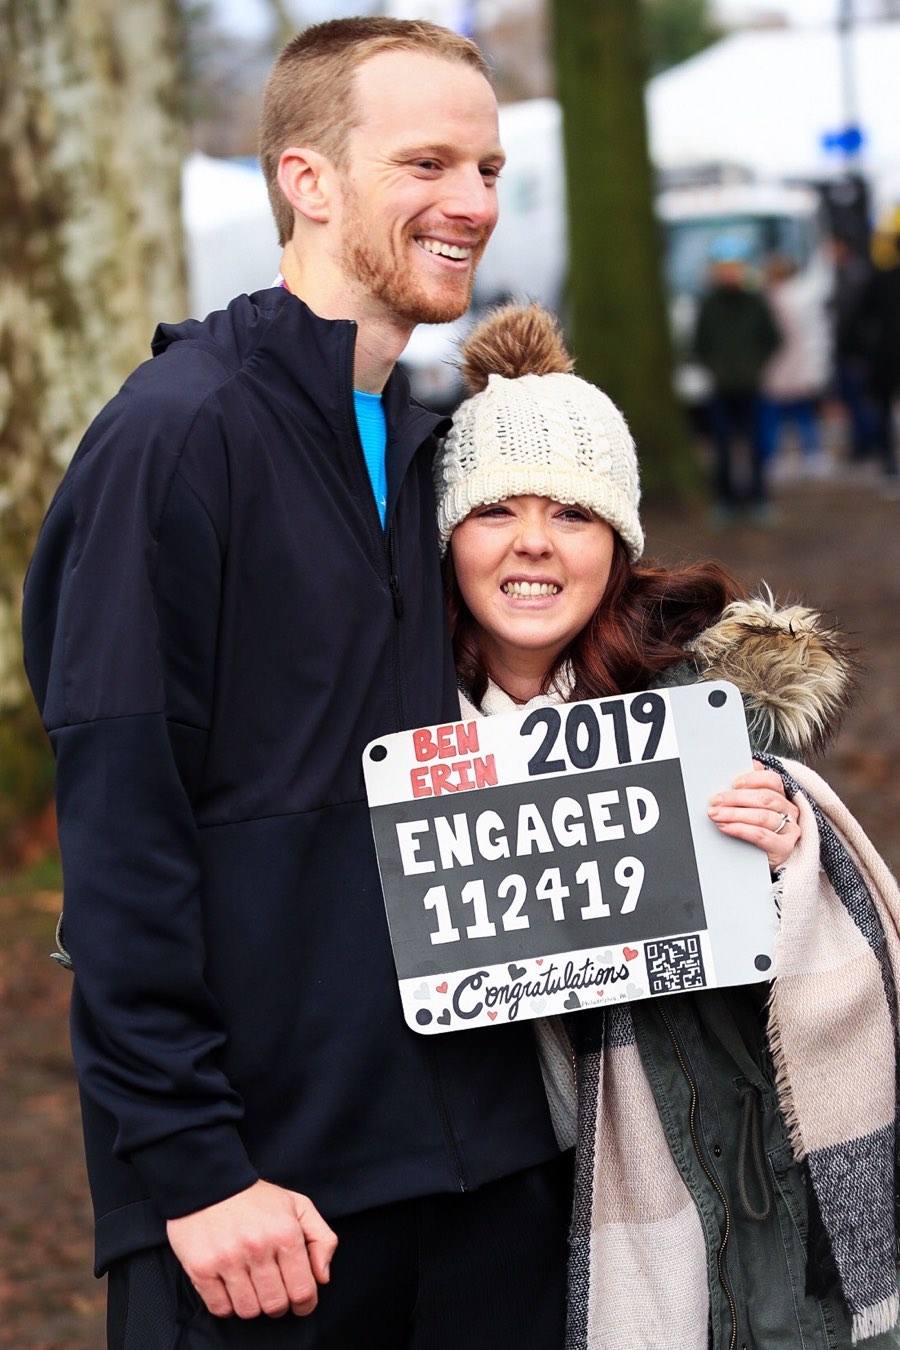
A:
[718,698]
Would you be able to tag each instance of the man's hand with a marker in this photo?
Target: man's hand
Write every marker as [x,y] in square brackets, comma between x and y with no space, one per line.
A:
[264,1250]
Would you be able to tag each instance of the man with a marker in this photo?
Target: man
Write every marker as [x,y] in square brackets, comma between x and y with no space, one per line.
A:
[879,319]
[852,270]
[236,588]
[735,336]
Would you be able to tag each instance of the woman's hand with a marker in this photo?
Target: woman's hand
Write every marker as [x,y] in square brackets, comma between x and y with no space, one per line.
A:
[757,809]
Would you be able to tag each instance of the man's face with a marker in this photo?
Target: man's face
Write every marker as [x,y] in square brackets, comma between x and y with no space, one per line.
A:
[730,273]
[418,198]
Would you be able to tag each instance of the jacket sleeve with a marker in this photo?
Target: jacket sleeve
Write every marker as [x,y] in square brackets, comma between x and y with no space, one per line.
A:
[120,622]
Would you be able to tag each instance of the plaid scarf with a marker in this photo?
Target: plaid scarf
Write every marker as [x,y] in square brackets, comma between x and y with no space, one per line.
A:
[638,1272]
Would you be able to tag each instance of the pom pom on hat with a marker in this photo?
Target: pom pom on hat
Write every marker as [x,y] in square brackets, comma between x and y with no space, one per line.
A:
[514,340]
[534,429]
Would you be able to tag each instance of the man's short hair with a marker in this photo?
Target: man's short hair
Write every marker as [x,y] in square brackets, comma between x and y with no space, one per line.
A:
[309,98]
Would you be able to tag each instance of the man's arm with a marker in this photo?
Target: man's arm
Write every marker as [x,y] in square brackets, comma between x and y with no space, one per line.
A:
[121,627]
[121,615]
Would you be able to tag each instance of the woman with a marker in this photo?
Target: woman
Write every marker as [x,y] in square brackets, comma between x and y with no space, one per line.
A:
[716,1199]
[794,380]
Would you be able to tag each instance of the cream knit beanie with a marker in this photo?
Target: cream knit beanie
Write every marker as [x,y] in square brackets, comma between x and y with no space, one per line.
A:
[535,430]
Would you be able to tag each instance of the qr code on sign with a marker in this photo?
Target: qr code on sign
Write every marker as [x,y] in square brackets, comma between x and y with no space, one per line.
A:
[674,964]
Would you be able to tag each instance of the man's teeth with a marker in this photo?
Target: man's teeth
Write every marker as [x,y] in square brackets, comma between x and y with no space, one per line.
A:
[529,588]
[444,250]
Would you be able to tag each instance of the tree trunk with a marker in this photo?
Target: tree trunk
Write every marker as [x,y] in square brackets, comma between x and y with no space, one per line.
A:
[617,306]
[91,147]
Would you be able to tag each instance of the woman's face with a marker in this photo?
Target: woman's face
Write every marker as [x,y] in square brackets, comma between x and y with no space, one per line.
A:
[532,572]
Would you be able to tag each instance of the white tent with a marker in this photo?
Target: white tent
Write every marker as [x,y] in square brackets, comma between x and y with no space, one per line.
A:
[768,99]
[527,254]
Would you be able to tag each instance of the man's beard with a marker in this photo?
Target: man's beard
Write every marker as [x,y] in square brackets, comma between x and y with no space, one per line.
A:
[386,278]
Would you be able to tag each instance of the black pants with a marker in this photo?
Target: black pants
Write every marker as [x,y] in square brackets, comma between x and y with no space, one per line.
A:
[734,419]
[478,1271]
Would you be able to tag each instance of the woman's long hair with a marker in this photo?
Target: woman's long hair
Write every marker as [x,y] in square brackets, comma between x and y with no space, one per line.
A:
[646,618]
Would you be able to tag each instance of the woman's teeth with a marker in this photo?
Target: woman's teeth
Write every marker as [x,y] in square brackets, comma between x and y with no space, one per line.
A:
[529,588]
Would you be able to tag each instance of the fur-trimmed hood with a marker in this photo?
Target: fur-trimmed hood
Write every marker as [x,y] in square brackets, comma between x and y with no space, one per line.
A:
[795,672]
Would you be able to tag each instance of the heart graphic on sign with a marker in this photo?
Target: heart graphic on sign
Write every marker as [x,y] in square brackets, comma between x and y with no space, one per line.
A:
[599,992]
[492,1016]
[516,972]
[442,987]
[630,953]
[444,1018]
[573,1001]
[538,960]
[422,991]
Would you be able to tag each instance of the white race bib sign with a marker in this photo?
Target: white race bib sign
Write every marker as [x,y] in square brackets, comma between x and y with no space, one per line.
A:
[542,862]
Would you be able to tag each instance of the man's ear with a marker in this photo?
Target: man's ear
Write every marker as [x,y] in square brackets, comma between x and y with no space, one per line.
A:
[305,177]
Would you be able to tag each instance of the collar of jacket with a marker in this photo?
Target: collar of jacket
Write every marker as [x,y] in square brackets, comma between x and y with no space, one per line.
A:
[278,331]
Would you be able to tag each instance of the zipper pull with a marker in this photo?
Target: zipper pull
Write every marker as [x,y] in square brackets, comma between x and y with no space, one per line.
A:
[394,580]
[397,597]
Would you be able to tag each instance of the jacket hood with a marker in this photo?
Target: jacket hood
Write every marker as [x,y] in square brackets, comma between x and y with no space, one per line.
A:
[234,331]
[795,672]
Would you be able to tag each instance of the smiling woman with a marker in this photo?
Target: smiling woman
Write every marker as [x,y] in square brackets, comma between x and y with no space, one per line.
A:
[531,571]
[537,488]
[538,493]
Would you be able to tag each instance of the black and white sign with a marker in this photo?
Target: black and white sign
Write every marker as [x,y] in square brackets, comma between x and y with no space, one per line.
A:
[563,858]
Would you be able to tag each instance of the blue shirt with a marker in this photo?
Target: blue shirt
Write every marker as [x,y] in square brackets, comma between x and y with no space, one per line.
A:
[373,434]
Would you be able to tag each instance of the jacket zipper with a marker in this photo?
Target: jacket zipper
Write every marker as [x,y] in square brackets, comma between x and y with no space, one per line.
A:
[396,594]
[376,530]
[386,549]
[712,1178]
[430,1049]
[394,581]
[455,1159]
[397,599]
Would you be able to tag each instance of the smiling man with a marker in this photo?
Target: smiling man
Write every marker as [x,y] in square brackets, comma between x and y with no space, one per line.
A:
[235,589]
[410,217]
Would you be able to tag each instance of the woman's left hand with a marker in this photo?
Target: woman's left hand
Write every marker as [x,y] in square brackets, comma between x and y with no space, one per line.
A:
[757,809]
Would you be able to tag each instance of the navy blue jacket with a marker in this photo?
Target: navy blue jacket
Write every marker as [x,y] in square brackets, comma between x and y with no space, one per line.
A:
[215,625]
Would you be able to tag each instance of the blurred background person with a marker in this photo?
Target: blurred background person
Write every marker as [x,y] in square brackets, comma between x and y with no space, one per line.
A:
[795,378]
[880,322]
[735,336]
[850,355]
